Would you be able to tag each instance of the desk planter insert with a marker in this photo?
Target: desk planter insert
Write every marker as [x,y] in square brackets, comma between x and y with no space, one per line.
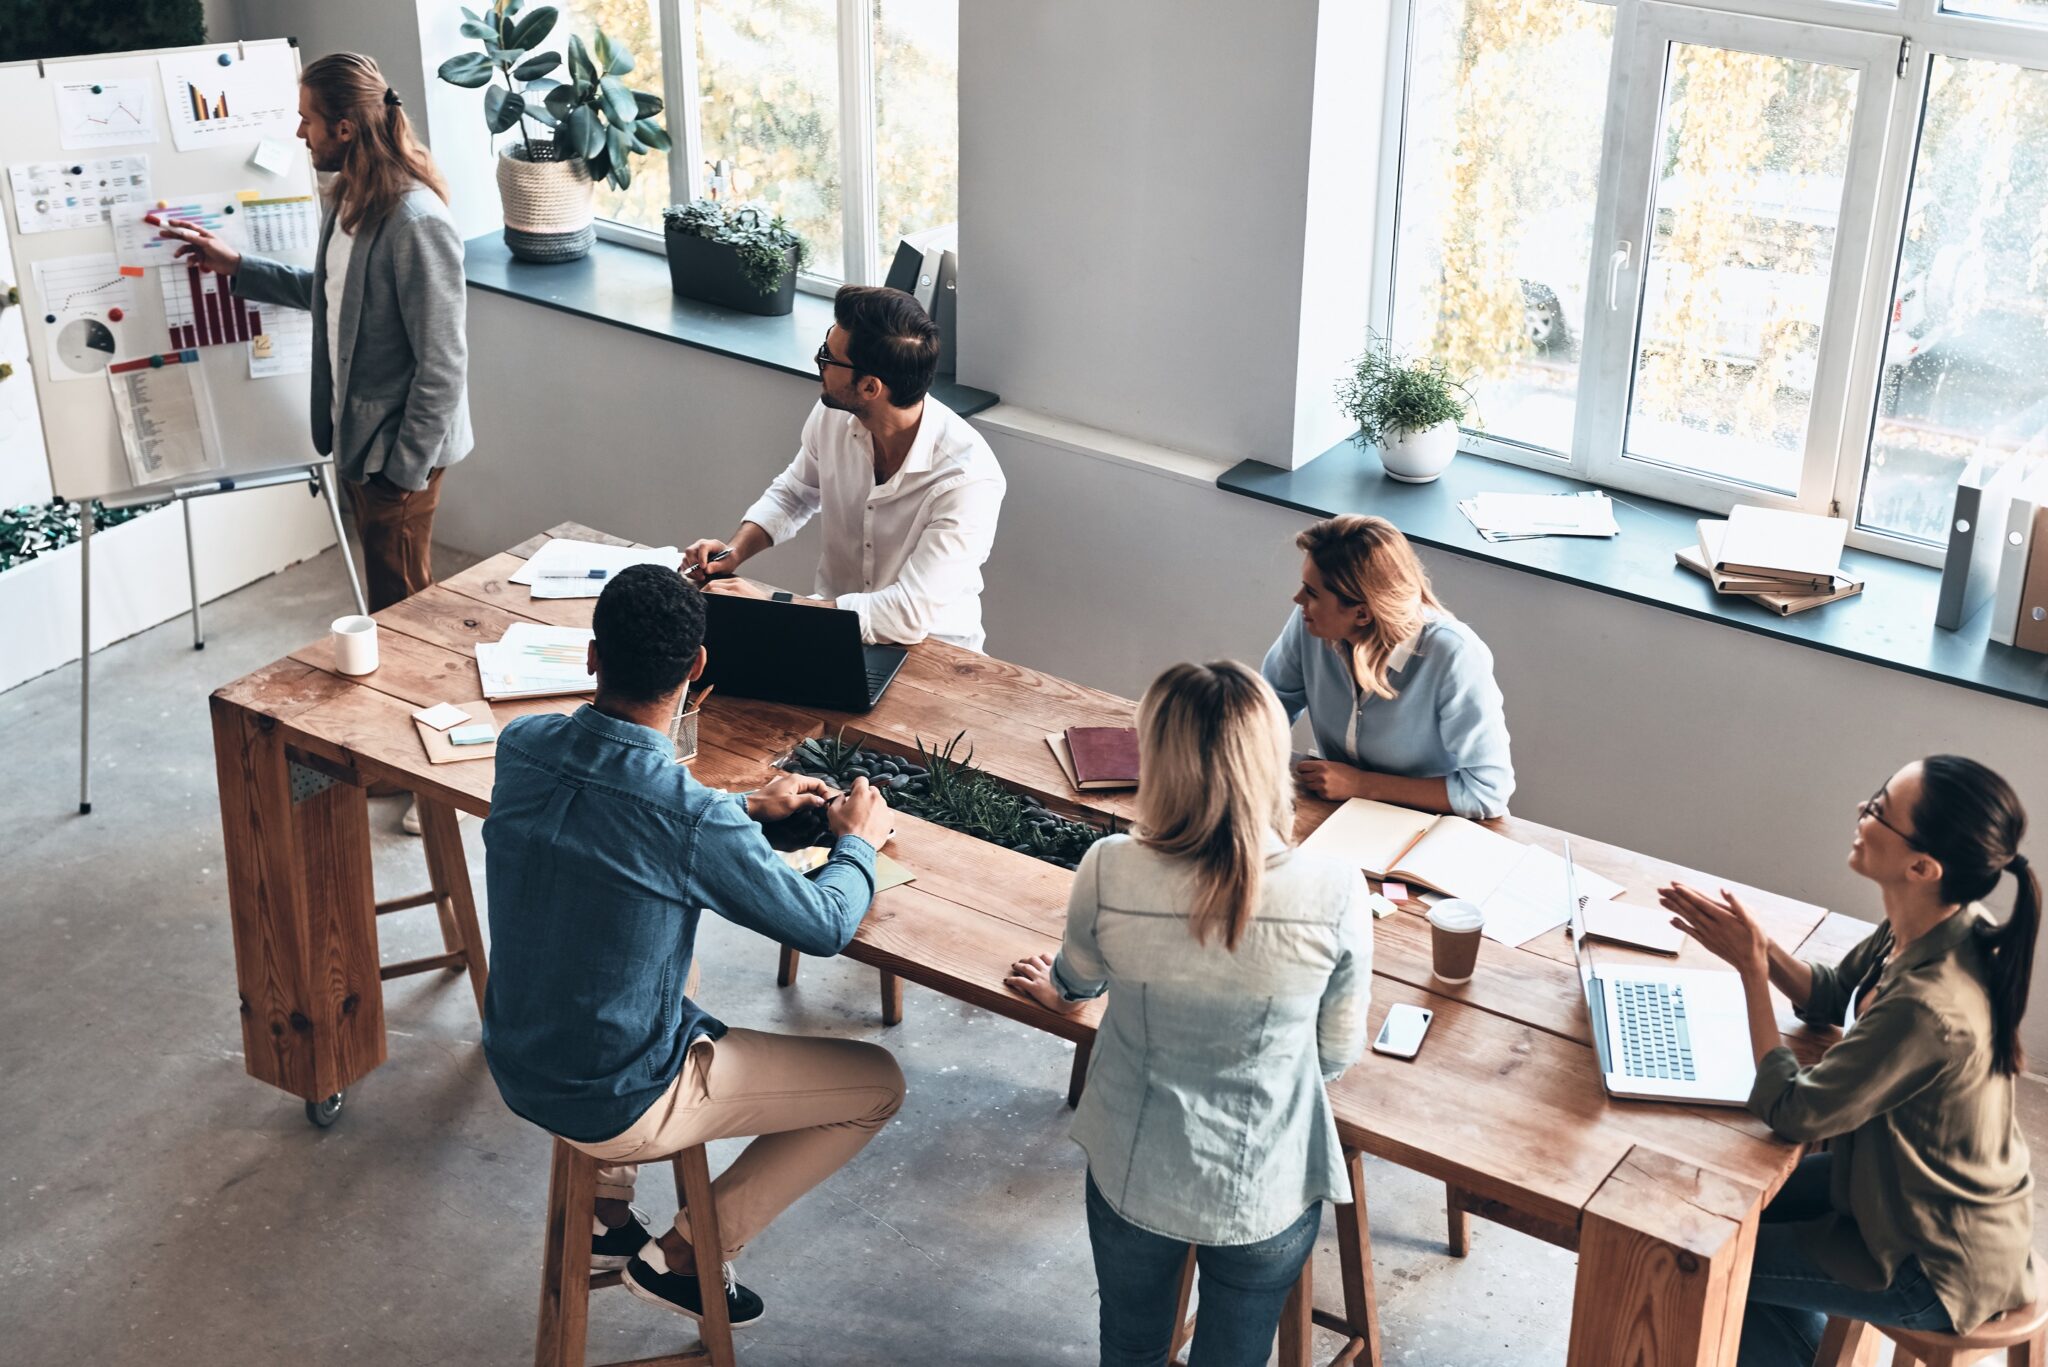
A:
[952,793]
[740,258]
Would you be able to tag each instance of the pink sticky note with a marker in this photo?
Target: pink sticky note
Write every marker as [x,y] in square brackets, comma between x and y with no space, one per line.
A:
[1397,891]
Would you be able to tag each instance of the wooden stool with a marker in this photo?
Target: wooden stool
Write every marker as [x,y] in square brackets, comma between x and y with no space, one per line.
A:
[566,1280]
[451,898]
[2022,1333]
[1358,1322]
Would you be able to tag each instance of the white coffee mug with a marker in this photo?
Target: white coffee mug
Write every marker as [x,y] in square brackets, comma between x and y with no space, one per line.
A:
[355,644]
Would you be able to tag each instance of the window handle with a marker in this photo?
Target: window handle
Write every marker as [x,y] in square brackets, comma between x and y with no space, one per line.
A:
[1616,264]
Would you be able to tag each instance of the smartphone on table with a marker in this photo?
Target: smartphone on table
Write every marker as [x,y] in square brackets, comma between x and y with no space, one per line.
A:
[1401,1032]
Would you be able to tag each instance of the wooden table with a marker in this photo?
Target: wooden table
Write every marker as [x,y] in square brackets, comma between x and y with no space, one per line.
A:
[1504,1103]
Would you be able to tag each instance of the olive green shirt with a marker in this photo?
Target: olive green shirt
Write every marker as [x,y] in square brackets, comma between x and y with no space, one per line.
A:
[1929,1159]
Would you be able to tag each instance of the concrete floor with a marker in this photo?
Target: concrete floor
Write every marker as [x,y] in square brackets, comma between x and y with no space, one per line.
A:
[159,1206]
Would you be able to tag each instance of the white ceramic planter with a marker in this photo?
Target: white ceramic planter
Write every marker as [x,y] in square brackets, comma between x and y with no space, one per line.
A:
[1419,457]
[138,573]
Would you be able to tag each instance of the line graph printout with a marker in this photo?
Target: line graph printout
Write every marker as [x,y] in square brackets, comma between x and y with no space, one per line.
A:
[215,99]
[105,114]
[83,301]
[50,196]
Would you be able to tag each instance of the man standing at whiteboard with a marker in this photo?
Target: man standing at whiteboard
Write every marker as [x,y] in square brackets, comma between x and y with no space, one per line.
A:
[390,395]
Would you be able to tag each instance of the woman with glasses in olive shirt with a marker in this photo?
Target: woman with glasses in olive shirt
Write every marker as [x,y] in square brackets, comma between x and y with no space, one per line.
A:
[1920,1215]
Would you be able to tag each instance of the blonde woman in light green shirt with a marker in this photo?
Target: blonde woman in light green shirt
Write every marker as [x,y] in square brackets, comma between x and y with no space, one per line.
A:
[1920,1214]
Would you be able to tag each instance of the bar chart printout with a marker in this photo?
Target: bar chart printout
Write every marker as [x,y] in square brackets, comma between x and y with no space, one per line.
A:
[200,311]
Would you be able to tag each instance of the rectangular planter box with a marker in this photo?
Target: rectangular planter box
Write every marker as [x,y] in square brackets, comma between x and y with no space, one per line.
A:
[138,574]
[708,271]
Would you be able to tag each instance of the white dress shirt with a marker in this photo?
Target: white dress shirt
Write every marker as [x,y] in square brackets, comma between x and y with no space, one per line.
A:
[341,245]
[905,554]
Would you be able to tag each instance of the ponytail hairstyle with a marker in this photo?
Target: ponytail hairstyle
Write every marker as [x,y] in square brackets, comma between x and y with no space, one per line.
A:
[1366,560]
[1212,760]
[383,161]
[1970,820]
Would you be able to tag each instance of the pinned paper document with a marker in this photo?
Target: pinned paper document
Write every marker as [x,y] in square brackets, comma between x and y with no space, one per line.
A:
[535,661]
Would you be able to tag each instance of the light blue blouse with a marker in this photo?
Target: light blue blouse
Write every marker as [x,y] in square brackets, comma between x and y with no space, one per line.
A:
[1205,1118]
[1445,720]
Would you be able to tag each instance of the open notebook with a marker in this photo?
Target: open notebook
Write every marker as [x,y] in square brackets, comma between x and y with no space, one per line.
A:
[1520,887]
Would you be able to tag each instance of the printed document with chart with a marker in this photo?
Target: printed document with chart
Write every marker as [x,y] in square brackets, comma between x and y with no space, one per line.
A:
[165,417]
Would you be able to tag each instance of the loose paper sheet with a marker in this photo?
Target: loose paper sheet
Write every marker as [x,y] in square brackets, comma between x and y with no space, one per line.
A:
[166,422]
[92,303]
[565,555]
[107,113]
[211,103]
[50,196]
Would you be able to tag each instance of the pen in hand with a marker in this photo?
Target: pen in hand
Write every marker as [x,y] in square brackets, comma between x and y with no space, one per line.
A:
[704,568]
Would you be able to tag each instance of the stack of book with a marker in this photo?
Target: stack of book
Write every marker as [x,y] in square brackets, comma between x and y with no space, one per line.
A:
[1788,562]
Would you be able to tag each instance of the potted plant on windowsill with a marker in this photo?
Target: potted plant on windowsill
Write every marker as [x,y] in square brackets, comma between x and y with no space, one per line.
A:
[1410,409]
[596,125]
[737,258]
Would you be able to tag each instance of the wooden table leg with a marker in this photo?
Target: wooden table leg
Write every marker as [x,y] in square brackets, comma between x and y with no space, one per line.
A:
[1077,1078]
[785,971]
[1458,1221]
[1664,1255]
[441,830]
[892,998]
[302,906]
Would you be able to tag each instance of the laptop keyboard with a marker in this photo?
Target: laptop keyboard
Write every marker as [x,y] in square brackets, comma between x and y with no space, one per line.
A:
[1655,1042]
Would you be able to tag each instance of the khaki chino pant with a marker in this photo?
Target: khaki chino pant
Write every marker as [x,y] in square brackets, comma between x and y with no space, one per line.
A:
[815,1103]
[397,528]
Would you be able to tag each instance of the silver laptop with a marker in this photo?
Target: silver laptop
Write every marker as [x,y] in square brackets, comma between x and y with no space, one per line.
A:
[1663,1034]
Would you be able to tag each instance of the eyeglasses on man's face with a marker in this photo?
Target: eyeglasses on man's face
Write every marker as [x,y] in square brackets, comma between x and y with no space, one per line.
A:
[825,358]
[1873,807]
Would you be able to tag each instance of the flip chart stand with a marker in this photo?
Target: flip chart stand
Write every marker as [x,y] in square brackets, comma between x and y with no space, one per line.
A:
[319,478]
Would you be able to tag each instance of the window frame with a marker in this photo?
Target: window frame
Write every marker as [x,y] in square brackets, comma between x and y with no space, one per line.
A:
[1925,31]
[859,208]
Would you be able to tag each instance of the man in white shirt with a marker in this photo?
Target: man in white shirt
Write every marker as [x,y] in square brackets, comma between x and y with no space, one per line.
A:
[908,493]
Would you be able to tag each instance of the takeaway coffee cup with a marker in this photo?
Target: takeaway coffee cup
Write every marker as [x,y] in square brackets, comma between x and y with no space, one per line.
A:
[355,644]
[1454,939]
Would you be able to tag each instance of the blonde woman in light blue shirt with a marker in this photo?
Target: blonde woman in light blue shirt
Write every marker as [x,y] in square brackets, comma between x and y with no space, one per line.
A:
[1238,973]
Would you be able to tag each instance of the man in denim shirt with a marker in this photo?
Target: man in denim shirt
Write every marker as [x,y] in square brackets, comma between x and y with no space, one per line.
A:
[602,852]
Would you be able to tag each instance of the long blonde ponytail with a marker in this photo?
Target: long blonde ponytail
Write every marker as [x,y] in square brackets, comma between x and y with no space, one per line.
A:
[1214,787]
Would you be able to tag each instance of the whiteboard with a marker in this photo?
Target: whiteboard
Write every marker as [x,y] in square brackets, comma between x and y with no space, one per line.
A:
[262,422]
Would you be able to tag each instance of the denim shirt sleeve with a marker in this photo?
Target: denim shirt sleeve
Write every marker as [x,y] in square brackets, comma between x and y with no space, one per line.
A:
[1472,722]
[1078,970]
[1282,668]
[1340,1022]
[737,873]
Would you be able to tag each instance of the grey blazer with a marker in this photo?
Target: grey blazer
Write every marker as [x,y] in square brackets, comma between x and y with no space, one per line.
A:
[403,372]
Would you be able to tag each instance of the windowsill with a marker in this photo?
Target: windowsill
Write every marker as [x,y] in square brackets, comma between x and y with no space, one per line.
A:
[629,288]
[1891,623]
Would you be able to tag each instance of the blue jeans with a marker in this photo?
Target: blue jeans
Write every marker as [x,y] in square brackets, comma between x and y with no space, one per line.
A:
[1244,1287]
[1790,1297]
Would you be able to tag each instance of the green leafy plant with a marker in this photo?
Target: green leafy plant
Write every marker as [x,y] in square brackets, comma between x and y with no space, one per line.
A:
[763,241]
[592,114]
[1387,392]
[942,786]
[35,529]
[75,27]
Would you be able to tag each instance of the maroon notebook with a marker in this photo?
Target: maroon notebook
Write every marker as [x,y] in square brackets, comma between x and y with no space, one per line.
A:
[1104,756]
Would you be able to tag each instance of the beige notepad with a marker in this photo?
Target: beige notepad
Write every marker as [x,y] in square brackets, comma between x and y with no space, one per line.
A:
[1771,541]
[888,873]
[440,751]
[1444,853]
[1637,927]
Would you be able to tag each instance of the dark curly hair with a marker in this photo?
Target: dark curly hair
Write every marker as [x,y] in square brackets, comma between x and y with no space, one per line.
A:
[649,626]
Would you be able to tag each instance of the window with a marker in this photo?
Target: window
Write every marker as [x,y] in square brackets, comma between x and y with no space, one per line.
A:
[1715,255]
[840,115]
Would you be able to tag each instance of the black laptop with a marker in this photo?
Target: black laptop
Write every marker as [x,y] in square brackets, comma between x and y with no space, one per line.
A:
[794,653]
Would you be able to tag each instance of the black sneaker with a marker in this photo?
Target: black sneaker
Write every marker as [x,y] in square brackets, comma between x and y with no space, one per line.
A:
[611,1249]
[685,1294]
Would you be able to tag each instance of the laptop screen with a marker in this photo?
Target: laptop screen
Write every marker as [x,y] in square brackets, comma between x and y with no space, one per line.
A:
[1596,1010]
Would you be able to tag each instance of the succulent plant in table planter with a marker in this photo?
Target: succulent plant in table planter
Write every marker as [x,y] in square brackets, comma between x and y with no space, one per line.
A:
[943,787]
